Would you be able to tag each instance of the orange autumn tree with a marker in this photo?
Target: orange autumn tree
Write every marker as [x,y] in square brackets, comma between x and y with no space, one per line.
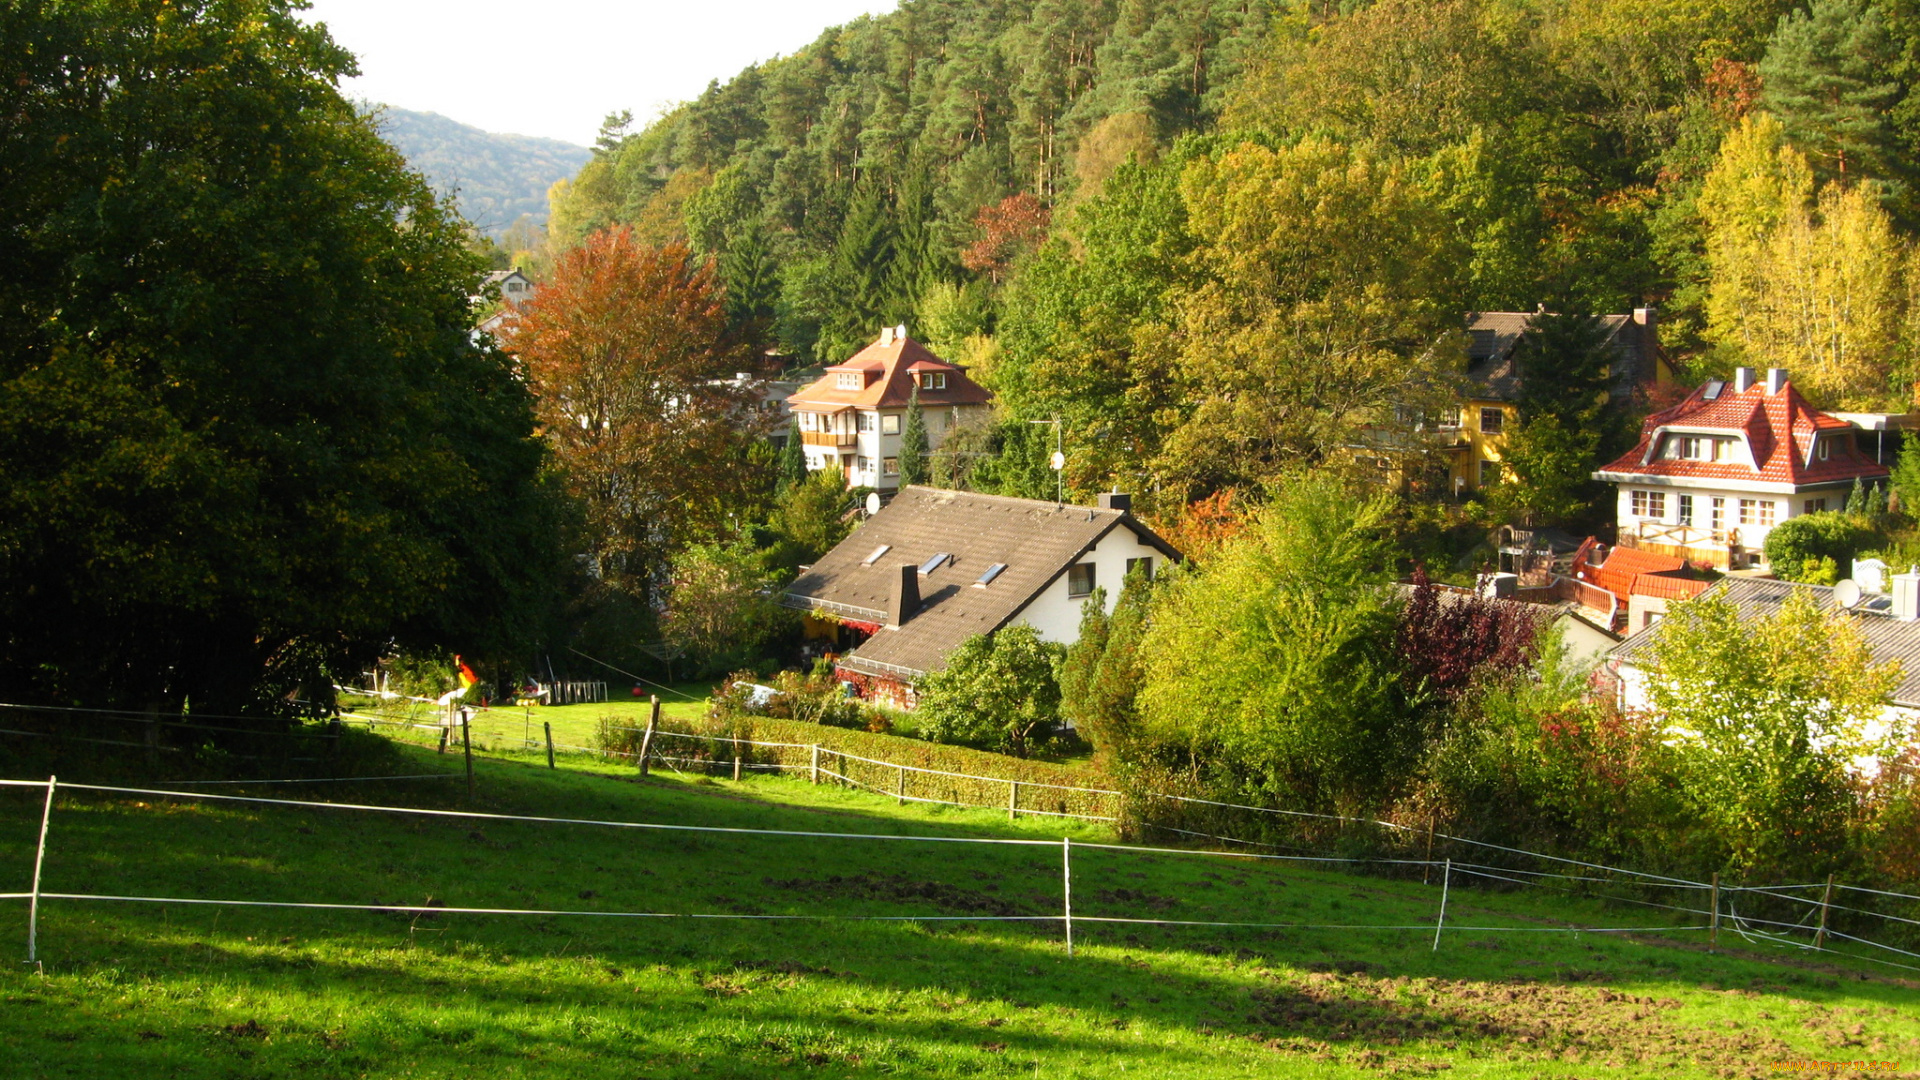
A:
[626,346]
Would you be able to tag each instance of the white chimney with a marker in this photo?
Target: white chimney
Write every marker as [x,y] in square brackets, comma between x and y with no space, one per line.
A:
[1906,596]
[1743,379]
[1499,586]
[1776,380]
[886,335]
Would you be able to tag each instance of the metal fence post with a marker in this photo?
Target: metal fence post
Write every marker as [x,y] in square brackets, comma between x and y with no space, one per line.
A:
[1446,882]
[1713,924]
[39,859]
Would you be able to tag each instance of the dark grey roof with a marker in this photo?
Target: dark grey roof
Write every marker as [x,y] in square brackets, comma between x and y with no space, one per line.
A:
[1036,540]
[1494,373]
[1891,640]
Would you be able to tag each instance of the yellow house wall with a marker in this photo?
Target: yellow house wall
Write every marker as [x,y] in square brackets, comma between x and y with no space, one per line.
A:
[1480,446]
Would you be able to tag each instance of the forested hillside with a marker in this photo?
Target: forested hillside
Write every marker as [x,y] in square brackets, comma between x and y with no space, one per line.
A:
[1315,196]
[494,178]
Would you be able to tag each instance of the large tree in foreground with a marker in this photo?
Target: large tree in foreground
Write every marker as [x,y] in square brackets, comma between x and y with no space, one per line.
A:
[628,350]
[248,436]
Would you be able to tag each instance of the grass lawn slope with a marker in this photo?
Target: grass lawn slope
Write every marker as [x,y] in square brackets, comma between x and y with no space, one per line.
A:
[182,990]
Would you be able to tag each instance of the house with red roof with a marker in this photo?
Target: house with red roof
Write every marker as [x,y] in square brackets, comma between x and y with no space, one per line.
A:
[1713,475]
[851,417]
[1640,583]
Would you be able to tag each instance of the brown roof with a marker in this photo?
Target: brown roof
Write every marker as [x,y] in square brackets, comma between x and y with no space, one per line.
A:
[887,382]
[1035,539]
[1779,428]
[1889,639]
[1495,372]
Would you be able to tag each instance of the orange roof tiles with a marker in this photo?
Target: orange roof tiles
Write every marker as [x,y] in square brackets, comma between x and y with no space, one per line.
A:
[886,368]
[1779,428]
[1630,572]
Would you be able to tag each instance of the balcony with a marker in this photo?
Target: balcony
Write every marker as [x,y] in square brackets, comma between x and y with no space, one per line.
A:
[828,438]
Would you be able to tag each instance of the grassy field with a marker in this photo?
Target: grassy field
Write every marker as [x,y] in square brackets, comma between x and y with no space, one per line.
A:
[509,727]
[197,991]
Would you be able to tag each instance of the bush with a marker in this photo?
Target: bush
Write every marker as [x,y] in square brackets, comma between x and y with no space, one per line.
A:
[999,692]
[1811,538]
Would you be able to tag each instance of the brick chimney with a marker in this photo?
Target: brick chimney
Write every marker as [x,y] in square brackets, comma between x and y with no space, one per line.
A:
[904,599]
[1116,500]
[1776,380]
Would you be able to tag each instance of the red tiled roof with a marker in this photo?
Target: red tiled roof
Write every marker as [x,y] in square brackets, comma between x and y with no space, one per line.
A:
[1779,429]
[887,365]
[1630,572]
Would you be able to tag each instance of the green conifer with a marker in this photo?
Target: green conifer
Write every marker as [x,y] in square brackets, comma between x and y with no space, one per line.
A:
[1857,499]
[1825,74]
[913,444]
[793,459]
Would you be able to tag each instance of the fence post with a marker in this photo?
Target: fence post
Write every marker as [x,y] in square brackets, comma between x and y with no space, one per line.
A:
[1713,924]
[39,857]
[1426,872]
[1066,887]
[548,724]
[1446,882]
[1826,902]
[900,789]
[1013,799]
[736,759]
[813,768]
[646,740]
[466,746]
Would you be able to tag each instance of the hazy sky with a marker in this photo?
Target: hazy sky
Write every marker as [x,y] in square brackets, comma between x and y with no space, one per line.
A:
[557,67]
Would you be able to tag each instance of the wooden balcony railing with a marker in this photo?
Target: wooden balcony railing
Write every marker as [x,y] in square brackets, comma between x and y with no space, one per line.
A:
[828,438]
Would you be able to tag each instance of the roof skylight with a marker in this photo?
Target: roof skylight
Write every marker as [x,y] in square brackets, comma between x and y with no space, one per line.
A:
[936,562]
[991,573]
[877,552]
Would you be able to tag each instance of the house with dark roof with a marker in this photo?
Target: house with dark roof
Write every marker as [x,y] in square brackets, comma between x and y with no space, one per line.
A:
[1889,624]
[1494,380]
[851,417]
[934,567]
[1712,476]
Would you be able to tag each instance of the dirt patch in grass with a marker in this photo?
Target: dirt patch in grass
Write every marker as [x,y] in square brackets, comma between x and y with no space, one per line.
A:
[899,887]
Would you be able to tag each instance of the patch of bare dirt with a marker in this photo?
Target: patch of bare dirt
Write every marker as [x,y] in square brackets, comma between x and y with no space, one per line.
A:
[899,887]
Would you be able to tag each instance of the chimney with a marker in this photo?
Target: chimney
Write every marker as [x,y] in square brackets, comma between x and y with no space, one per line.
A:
[904,599]
[1776,380]
[1743,379]
[886,335]
[1116,500]
[1648,317]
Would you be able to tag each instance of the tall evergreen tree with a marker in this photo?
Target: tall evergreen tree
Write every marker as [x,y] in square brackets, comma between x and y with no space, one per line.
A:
[913,444]
[793,459]
[752,282]
[1826,77]
[859,276]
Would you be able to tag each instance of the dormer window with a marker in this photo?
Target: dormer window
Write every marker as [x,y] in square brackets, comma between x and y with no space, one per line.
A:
[933,380]
[851,380]
[1822,448]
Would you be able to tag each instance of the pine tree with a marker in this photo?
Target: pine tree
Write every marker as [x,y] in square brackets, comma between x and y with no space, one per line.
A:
[1825,77]
[793,460]
[913,444]
[859,276]
[752,281]
[1857,499]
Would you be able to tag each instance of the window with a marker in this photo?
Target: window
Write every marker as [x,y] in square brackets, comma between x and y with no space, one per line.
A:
[1813,506]
[890,424]
[1650,504]
[890,466]
[851,380]
[1490,473]
[514,286]
[1756,512]
[1717,521]
[987,575]
[933,380]
[859,464]
[877,552]
[1079,580]
[866,422]
[1144,565]
[1491,421]
[1766,512]
[1686,509]
[935,563]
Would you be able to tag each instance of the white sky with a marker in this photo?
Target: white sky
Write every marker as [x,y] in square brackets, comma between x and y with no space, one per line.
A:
[558,67]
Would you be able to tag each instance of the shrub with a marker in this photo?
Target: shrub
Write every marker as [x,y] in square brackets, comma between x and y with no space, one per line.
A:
[997,691]
[1811,538]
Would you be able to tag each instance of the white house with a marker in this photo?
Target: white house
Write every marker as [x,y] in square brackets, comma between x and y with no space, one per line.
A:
[515,289]
[851,418]
[1712,476]
[935,567]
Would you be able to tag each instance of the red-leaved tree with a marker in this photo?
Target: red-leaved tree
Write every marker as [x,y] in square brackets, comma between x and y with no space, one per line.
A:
[1009,229]
[1448,636]
[627,347]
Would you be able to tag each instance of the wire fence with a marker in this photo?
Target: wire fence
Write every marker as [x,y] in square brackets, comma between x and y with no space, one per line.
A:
[1881,923]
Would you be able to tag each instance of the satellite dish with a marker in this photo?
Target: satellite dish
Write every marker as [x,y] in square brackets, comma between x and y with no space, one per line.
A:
[873,503]
[1059,460]
[1847,593]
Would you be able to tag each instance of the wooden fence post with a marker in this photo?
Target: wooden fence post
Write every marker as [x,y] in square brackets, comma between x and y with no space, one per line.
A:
[1013,799]
[646,740]
[1713,924]
[813,768]
[1826,902]
[1426,872]
[466,744]
[548,724]
[736,759]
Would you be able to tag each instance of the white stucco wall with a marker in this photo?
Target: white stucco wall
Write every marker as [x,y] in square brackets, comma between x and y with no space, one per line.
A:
[1752,537]
[1057,616]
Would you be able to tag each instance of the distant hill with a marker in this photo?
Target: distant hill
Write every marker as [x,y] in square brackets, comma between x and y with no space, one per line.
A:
[495,178]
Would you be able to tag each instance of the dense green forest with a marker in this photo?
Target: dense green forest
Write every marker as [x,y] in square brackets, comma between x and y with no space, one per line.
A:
[494,180]
[1218,236]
